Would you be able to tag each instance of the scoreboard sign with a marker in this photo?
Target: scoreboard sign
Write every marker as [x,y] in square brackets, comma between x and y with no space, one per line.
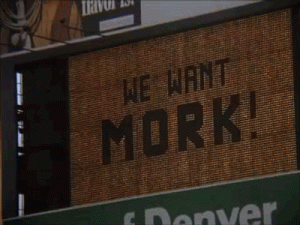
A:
[106,15]
[202,106]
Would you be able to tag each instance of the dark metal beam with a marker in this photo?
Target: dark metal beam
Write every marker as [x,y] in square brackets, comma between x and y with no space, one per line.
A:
[9,140]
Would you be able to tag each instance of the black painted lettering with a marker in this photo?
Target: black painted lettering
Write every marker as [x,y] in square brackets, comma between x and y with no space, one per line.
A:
[144,88]
[130,94]
[192,78]
[208,71]
[223,120]
[174,85]
[189,128]
[162,117]
[252,104]
[222,63]
[110,131]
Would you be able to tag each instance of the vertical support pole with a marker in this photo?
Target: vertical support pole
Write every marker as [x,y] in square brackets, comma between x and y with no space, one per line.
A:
[9,139]
[296,61]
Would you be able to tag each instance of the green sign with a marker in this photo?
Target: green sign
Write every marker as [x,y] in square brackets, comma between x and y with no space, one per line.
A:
[272,200]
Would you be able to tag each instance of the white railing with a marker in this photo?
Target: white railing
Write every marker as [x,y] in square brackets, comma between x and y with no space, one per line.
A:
[19,79]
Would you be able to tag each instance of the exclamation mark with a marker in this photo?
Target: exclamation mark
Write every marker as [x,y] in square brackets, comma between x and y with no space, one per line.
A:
[253,111]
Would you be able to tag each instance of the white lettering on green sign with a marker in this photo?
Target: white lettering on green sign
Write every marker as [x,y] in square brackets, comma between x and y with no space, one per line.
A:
[249,214]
